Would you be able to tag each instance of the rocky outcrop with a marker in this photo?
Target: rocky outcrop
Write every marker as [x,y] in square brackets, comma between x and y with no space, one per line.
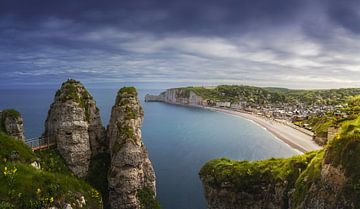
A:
[325,179]
[74,125]
[12,123]
[131,171]
[176,96]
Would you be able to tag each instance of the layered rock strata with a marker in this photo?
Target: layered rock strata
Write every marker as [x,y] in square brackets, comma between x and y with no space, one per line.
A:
[176,96]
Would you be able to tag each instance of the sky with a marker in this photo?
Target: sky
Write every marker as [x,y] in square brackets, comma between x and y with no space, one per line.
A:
[283,43]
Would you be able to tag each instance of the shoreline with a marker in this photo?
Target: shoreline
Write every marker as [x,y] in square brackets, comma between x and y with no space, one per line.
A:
[296,139]
[300,140]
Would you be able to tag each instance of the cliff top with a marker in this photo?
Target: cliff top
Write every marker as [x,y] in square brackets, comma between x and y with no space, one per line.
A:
[10,113]
[128,90]
[7,113]
[337,163]
[72,90]
[125,94]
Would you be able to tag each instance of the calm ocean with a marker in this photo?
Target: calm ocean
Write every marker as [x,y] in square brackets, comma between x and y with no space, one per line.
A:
[179,139]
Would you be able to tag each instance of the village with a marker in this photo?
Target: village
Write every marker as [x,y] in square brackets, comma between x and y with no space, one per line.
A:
[282,112]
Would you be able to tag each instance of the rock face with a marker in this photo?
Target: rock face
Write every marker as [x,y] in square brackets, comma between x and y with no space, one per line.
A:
[325,179]
[176,96]
[74,124]
[131,171]
[12,123]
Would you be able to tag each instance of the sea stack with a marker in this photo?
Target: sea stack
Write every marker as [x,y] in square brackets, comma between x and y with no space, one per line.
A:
[12,123]
[131,172]
[74,125]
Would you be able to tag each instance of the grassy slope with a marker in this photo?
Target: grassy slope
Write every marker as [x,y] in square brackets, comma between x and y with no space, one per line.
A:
[245,175]
[301,171]
[23,186]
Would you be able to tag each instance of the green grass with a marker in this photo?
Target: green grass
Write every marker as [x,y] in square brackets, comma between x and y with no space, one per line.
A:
[34,189]
[51,161]
[11,147]
[257,95]
[73,90]
[147,199]
[301,172]
[128,90]
[123,95]
[11,113]
[7,113]
[247,175]
[97,176]
[310,176]
[22,186]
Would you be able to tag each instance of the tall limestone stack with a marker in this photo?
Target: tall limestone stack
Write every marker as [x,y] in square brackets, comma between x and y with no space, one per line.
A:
[12,123]
[74,124]
[131,172]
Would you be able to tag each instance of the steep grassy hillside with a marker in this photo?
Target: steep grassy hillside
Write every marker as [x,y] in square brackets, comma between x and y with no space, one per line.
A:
[24,186]
[329,178]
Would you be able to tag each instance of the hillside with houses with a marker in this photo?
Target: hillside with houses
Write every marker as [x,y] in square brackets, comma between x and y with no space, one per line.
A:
[318,111]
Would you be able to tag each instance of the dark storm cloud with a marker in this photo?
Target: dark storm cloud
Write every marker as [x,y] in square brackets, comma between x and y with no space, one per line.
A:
[158,15]
[297,43]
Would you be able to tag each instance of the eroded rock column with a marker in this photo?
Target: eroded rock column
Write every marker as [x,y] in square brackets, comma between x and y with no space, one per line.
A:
[131,171]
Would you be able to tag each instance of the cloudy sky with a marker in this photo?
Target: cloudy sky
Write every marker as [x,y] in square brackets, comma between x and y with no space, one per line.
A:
[288,43]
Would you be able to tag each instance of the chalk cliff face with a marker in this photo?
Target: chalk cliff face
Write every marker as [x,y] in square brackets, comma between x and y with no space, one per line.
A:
[74,124]
[12,123]
[318,180]
[131,171]
[176,96]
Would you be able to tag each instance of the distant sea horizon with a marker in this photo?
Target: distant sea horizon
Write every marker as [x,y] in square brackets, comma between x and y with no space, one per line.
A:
[179,139]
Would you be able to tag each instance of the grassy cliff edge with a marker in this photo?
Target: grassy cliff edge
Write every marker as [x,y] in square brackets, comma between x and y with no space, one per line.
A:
[329,177]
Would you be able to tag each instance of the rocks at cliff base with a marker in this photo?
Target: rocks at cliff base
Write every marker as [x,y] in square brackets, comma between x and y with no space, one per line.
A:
[12,123]
[131,171]
[74,125]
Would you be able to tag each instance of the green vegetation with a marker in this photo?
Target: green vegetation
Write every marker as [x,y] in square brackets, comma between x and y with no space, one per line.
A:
[51,161]
[301,172]
[320,124]
[257,95]
[73,90]
[97,176]
[11,113]
[130,113]
[126,133]
[128,90]
[23,186]
[12,149]
[123,95]
[245,175]
[147,199]
[310,176]
[7,113]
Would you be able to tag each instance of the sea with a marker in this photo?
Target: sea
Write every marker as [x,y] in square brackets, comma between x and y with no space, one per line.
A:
[180,140]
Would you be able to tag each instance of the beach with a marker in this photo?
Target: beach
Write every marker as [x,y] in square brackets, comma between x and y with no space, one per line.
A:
[297,139]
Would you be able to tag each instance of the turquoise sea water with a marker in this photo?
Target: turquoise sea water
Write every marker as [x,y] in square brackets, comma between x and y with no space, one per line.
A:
[179,139]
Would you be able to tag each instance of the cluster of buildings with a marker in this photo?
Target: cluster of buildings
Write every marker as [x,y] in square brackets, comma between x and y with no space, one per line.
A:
[284,111]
